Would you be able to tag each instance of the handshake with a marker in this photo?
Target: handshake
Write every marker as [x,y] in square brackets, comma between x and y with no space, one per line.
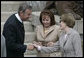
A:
[38,45]
[34,45]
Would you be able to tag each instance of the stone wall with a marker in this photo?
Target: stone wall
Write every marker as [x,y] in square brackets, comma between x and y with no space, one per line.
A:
[37,5]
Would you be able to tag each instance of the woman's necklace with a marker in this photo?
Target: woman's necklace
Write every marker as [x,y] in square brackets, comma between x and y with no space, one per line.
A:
[46,30]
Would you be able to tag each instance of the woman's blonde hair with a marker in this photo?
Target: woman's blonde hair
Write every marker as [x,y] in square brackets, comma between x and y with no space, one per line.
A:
[68,19]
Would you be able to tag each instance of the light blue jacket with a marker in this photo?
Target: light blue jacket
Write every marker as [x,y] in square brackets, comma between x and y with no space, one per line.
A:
[70,47]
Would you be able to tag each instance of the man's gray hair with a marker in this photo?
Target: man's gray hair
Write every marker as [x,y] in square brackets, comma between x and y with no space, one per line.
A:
[23,7]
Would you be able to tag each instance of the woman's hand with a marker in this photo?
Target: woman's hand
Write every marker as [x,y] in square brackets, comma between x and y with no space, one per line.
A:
[37,43]
[40,43]
[50,44]
[37,46]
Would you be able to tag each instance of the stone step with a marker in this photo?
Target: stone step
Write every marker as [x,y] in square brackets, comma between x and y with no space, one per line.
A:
[30,37]
[9,6]
[30,56]
[27,25]
[5,15]
[36,5]
[12,2]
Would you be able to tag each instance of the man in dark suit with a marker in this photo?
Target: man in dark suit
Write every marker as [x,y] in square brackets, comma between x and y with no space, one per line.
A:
[14,32]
